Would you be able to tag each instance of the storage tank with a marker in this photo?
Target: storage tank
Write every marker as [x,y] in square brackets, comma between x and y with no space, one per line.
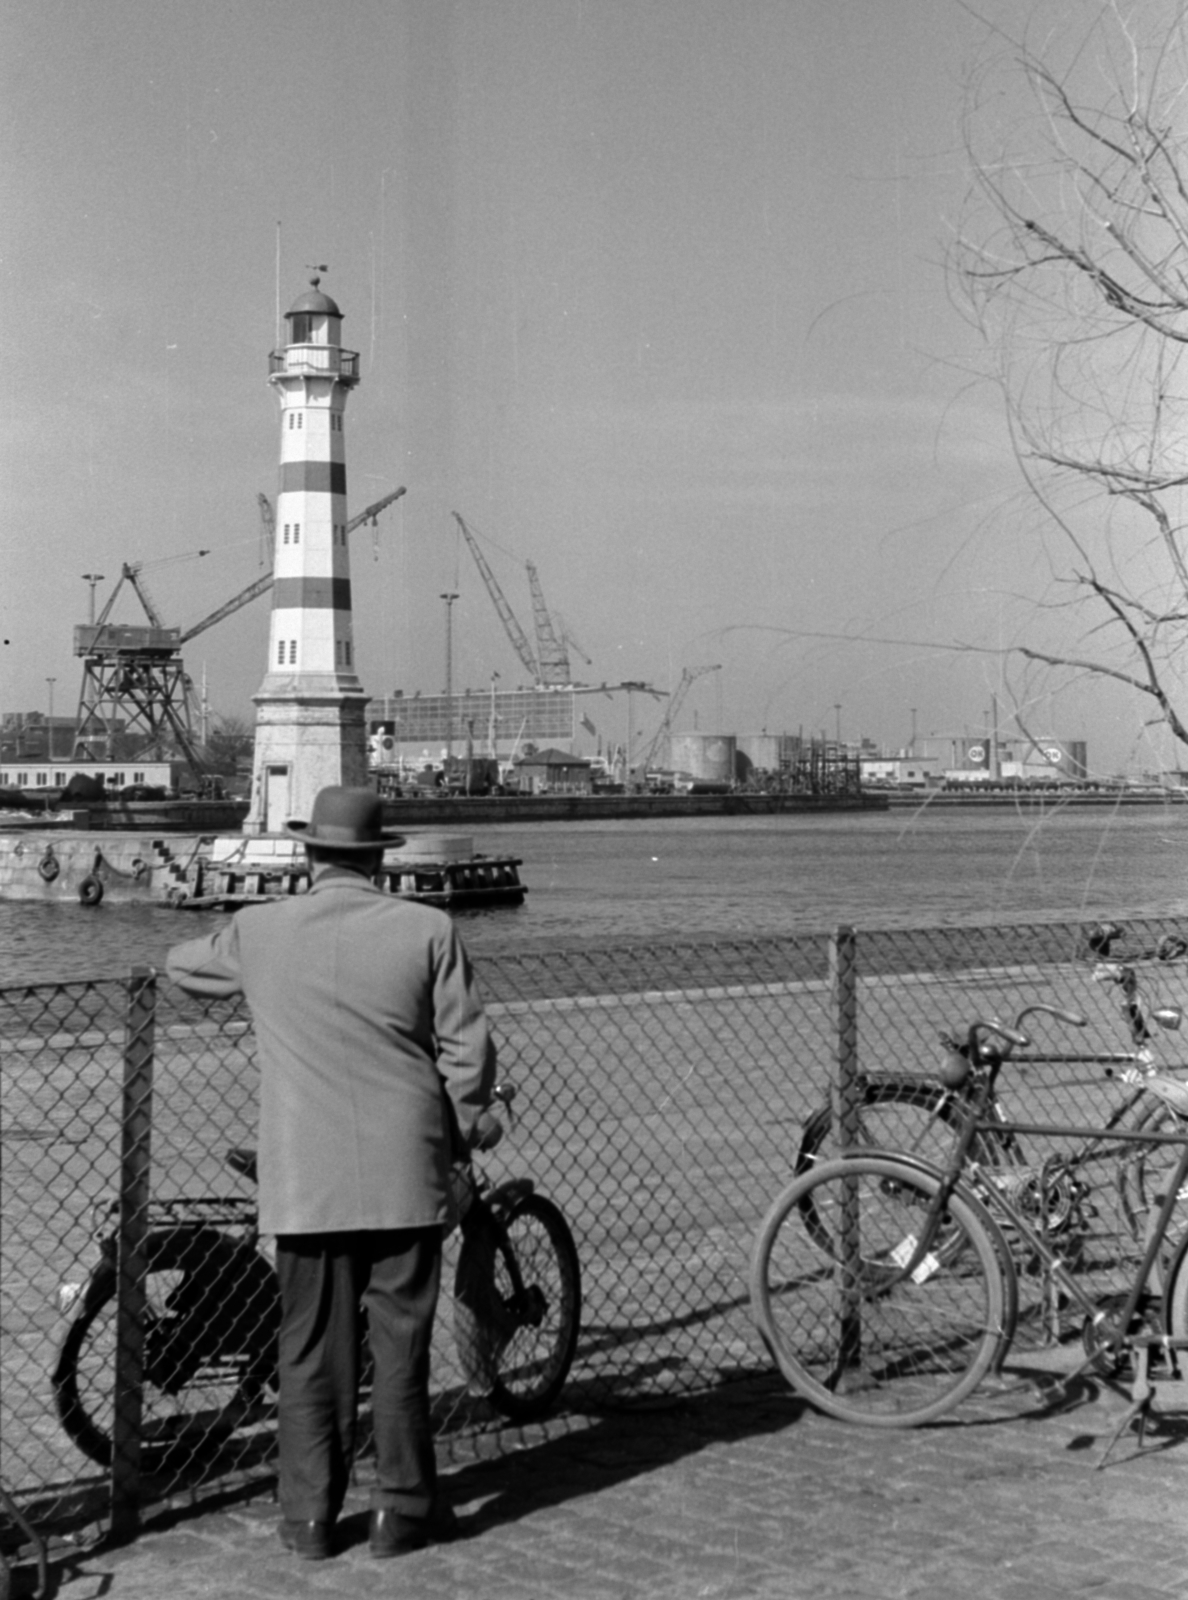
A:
[707,757]
[758,752]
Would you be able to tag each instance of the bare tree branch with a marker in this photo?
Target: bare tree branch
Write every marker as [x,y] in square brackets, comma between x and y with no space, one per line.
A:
[1073,265]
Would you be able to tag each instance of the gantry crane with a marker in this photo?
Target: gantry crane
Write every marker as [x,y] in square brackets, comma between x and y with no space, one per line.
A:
[134,681]
[689,677]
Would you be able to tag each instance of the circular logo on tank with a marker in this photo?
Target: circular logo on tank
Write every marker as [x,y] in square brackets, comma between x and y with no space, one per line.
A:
[977,752]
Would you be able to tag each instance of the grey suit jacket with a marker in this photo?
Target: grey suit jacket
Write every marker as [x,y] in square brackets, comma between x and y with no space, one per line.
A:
[366,1017]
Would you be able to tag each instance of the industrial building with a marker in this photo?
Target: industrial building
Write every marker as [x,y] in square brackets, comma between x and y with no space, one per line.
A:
[973,759]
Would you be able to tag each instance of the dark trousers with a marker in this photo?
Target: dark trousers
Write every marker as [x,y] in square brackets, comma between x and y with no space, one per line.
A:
[327,1280]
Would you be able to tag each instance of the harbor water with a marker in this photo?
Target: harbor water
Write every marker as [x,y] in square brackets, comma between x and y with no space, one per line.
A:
[598,882]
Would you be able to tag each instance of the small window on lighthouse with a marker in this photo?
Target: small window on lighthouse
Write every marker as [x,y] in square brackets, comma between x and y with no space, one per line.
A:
[286,533]
[292,652]
[296,533]
[280,653]
[346,651]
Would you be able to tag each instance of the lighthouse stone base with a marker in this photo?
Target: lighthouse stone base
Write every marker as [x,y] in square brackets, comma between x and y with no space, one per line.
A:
[304,742]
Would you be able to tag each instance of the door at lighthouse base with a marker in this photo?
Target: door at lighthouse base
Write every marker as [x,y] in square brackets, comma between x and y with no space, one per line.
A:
[276,798]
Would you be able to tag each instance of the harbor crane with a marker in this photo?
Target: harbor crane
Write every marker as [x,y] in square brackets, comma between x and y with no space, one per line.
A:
[134,678]
[516,634]
[551,654]
[549,663]
[689,677]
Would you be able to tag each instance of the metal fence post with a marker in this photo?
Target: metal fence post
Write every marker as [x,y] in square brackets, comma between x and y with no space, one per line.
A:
[843,973]
[136,1126]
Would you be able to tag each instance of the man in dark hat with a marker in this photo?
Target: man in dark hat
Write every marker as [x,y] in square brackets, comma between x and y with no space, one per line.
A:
[374,1056]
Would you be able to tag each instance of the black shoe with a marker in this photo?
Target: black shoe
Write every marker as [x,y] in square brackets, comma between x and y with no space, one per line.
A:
[391,1533]
[309,1540]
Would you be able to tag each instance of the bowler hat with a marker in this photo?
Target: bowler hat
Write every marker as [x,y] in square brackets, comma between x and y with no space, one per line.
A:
[346,819]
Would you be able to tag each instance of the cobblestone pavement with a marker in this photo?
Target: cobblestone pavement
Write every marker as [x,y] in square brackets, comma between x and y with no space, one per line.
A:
[740,1493]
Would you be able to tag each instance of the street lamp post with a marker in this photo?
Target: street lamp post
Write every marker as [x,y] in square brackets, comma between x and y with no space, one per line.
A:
[449,596]
[49,730]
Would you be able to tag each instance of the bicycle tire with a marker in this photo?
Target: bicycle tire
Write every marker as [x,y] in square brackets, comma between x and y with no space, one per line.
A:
[518,1335]
[1175,1298]
[862,1342]
[83,1378]
[903,1117]
[1143,1169]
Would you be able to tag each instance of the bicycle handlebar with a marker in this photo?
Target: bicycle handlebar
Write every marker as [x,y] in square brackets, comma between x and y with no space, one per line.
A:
[1013,1036]
[1074,1018]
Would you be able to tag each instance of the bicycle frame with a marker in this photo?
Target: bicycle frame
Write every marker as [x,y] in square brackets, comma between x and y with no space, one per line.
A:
[981,1180]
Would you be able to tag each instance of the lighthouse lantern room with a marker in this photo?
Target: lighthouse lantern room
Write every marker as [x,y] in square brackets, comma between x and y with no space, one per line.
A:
[310,728]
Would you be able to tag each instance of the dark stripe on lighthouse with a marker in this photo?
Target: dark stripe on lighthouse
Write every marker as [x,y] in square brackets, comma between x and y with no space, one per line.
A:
[313,477]
[311,594]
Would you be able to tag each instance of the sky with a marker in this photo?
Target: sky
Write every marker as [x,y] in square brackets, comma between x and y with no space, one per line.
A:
[651,292]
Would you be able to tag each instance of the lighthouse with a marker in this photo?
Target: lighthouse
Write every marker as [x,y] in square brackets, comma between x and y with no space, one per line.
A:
[310,707]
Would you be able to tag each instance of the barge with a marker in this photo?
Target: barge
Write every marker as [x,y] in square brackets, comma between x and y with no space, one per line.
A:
[221,872]
[434,869]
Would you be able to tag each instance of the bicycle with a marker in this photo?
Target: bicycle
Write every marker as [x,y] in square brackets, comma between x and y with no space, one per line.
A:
[212,1313]
[923,1116]
[903,1294]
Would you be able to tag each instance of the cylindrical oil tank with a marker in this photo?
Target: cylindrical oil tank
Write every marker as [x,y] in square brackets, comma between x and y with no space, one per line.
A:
[707,757]
[758,752]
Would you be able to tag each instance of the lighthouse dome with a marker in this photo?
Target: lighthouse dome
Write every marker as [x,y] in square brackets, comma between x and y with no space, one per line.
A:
[313,303]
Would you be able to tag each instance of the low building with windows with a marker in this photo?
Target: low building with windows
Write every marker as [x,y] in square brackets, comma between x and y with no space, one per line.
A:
[554,772]
[39,775]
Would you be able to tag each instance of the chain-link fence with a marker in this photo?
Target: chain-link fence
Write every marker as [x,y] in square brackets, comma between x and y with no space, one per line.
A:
[663,1097]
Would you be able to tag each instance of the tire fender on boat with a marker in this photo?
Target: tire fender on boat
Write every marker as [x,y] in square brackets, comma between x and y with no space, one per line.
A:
[90,891]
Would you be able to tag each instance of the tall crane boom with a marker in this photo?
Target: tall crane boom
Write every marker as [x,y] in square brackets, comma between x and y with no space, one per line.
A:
[552,656]
[512,628]
[264,582]
[688,679]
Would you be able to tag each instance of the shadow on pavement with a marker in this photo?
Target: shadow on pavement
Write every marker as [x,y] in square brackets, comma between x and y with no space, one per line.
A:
[612,1449]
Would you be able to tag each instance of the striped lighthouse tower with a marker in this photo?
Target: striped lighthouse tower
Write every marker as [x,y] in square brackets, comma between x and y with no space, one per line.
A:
[310,707]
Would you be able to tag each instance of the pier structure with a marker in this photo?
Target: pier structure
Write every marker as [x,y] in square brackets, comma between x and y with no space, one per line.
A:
[310,728]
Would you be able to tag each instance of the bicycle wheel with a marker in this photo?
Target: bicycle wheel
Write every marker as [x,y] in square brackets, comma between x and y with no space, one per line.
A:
[902,1117]
[517,1307]
[201,1383]
[851,1332]
[1144,1170]
[1175,1299]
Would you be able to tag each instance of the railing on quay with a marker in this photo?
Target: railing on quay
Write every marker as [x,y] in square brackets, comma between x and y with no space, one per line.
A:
[662,1093]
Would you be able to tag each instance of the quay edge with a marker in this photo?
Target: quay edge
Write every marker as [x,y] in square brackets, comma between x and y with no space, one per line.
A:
[474,811]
